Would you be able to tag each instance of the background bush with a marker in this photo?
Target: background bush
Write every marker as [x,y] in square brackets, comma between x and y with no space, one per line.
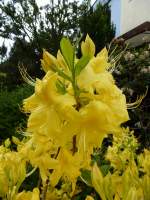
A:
[133,76]
[12,117]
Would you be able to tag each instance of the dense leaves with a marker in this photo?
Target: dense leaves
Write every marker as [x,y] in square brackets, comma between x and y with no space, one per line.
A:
[12,118]
[32,28]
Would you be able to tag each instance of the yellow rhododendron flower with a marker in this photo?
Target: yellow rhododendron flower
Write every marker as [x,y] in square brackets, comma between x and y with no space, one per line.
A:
[52,112]
[123,149]
[68,167]
[125,182]
[12,171]
[39,151]
[74,106]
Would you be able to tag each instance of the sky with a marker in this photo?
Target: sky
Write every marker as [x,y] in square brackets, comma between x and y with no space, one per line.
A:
[116,15]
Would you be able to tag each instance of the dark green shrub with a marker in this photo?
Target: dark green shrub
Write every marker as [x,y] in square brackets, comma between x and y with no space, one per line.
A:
[12,117]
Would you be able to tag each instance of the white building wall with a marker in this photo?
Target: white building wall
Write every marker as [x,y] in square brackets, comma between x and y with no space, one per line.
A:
[133,13]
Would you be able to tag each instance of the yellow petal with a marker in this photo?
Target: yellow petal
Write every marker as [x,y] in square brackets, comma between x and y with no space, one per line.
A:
[97,181]
[49,61]
[146,186]
[28,195]
[61,61]
[55,176]
[132,194]
[88,47]
[30,103]
[35,195]
[99,64]
[103,53]
[45,67]
[99,114]
[117,197]
[89,198]
[68,167]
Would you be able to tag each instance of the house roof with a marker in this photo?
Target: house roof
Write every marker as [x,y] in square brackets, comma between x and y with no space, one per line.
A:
[138,35]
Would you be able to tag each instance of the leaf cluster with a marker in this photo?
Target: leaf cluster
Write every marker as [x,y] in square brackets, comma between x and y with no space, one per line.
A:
[11,116]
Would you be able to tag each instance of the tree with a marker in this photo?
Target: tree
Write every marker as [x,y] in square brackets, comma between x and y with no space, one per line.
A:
[39,26]
[97,23]
[3,50]
[33,28]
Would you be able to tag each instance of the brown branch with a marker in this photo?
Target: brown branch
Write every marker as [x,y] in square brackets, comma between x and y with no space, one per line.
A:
[74,149]
[44,192]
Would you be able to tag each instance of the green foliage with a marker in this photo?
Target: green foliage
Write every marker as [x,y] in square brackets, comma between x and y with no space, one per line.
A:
[81,64]
[3,50]
[40,26]
[11,117]
[22,54]
[32,28]
[68,52]
[61,87]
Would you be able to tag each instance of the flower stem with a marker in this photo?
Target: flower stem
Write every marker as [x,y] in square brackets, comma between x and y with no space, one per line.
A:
[45,187]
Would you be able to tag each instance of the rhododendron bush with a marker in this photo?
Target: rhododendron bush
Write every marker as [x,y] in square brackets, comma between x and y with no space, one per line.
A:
[73,108]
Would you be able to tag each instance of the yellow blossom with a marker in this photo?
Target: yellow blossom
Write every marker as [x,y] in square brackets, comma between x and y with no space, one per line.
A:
[97,181]
[75,120]
[48,61]
[88,47]
[12,171]
[68,167]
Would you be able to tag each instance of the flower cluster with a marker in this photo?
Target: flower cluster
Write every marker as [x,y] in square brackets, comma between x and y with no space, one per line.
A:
[74,106]
[130,178]
[12,174]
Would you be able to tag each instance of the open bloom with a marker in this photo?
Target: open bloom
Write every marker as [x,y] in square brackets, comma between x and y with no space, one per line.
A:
[12,172]
[75,105]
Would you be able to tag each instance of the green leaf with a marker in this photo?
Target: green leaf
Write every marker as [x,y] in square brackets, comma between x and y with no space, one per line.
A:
[60,72]
[63,75]
[68,52]
[86,177]
[81,64]
[61,87]
[105,169]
